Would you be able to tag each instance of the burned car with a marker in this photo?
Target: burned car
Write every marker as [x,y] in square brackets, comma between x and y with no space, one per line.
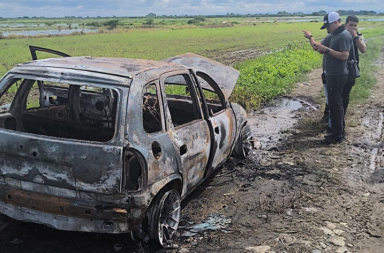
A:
[112,145]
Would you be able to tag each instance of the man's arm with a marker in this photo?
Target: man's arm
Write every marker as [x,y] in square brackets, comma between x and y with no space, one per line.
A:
[359,40]
[343,55]
[361,44]
[312,41]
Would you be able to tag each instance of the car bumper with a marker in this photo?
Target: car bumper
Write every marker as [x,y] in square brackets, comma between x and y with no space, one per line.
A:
[63,213]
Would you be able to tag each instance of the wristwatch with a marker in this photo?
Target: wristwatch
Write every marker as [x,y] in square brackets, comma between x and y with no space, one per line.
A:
[327,50]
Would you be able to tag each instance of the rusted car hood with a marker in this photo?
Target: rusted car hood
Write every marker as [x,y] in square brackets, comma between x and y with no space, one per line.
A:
[226,77]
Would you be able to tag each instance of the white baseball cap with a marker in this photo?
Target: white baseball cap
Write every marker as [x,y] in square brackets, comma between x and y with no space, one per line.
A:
[330,18]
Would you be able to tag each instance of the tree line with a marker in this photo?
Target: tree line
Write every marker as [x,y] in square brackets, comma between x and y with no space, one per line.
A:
[278,14]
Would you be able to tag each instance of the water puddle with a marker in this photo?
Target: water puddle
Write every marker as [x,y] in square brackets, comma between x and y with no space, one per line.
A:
[270,121]
[287,103]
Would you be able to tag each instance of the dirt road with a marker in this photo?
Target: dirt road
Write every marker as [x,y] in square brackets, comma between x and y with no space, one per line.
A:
[293,194]
[296,194]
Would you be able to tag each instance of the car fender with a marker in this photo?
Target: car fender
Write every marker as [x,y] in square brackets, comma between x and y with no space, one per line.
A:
[241,119]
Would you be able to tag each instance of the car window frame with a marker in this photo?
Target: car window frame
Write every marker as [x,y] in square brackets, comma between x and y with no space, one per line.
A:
[161,106]
[195,98]
[117,137]
[217,90]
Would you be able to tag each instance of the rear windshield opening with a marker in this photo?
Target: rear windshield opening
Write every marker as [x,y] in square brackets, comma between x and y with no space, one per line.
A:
[59,110]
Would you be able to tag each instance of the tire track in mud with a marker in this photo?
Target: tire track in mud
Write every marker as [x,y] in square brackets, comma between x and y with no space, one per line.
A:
[376,152]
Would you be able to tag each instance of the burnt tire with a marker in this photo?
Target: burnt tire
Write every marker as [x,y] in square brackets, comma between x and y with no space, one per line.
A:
[165,217]
[244,144]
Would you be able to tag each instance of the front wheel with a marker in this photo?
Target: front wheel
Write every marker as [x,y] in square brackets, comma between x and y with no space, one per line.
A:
[165,217]
[244,144]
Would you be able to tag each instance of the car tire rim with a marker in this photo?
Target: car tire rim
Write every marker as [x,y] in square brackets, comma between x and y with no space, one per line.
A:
[169,216]
[246,141]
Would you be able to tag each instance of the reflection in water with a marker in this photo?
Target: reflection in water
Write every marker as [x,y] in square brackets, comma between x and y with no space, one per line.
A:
[269,122]
[287,103]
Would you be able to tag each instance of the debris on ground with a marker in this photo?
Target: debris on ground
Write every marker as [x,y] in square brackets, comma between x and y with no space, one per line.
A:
[214,221]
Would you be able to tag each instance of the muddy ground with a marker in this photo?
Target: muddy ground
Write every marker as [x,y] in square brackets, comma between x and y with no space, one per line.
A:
[293,194]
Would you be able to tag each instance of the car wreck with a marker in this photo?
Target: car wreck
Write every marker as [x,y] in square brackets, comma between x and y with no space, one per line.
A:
[112,145]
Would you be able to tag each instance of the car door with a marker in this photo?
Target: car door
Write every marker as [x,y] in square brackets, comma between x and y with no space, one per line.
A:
[186,126]
[220,117]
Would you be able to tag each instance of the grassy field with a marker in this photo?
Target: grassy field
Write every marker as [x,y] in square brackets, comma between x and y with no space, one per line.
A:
[159,44]
[139,22]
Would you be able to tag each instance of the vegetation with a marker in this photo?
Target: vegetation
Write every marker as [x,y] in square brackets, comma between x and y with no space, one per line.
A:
[111,24]
[273,74]
[367,80]
[286,57]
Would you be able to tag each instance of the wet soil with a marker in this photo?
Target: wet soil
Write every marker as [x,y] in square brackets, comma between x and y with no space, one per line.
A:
[293,194]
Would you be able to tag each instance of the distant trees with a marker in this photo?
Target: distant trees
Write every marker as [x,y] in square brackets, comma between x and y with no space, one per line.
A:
[148,21]
[111,24]
[283,13]
[351,12]
[196,20]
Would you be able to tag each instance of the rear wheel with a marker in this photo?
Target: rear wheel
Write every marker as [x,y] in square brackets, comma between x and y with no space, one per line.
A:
[244,144]
[165,217]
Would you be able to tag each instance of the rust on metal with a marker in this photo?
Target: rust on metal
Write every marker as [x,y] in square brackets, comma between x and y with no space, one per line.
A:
[90,144]
[226,77]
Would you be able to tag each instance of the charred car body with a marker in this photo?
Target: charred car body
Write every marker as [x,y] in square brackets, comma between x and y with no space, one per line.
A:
[112,145]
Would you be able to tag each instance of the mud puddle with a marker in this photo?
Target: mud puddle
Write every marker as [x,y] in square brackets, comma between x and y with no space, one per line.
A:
[270,124]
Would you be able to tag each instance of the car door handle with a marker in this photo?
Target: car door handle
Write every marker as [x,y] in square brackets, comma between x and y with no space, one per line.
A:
[183,150]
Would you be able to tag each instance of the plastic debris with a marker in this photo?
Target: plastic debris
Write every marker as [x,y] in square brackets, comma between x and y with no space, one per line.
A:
[214,221]
[16,241]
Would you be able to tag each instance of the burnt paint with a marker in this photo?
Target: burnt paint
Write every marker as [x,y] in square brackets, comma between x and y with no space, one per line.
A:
[223,133]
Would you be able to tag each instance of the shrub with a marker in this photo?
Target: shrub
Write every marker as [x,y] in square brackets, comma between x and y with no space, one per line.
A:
[149,21]
[273,74]
[111,24]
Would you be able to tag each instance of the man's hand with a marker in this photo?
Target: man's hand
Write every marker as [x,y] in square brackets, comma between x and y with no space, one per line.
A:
[307,34]
[353,32]
[321,48]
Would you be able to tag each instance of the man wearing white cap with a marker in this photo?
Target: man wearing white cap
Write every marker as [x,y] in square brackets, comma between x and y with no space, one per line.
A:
[335,48]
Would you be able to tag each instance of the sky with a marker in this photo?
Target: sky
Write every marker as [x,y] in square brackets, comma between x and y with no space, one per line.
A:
[131,8]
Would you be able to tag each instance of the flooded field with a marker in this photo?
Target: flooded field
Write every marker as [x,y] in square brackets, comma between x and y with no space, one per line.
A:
[47,32]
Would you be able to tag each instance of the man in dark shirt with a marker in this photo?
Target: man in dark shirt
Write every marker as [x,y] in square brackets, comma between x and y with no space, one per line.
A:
[358,45]
[335,48]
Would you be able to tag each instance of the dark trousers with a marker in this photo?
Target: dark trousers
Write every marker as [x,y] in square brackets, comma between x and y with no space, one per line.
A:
[335,88]
[347,90]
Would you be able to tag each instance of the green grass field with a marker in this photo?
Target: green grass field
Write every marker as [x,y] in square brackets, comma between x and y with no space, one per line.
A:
[159,44]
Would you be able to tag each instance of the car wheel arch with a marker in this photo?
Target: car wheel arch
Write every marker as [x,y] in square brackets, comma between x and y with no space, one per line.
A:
[157,191]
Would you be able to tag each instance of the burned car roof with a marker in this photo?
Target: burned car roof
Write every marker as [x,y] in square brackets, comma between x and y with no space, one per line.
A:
[225,76]
[115,66]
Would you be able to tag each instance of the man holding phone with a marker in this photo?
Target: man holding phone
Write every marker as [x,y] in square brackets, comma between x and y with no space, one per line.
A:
[335,47]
